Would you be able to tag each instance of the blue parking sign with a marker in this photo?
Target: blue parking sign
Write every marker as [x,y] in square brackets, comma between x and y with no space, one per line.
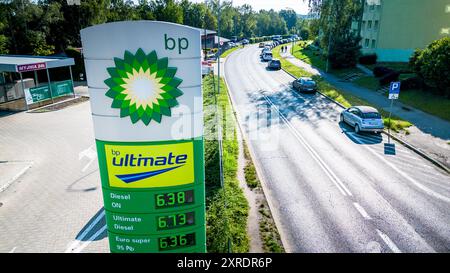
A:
[394,90]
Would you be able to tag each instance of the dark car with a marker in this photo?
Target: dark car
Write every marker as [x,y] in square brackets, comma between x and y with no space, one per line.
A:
[274,64]
[304,84]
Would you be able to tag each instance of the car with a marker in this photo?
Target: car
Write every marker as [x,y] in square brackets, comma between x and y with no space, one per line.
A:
[245,42]
[305,84]
[363,119]
[264,50]
[231,44]
[262,45]
[267,56]
[274,64]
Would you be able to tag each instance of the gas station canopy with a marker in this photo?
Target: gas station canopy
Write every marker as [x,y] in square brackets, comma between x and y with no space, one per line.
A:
[23,63]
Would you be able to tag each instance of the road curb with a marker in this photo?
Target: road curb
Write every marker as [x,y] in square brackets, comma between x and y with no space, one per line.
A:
[404,143]
[258,169]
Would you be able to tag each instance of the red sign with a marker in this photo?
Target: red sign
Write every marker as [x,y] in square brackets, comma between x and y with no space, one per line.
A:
[31,67]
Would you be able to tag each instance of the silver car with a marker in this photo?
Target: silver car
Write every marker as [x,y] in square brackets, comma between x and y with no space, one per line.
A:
[363,119]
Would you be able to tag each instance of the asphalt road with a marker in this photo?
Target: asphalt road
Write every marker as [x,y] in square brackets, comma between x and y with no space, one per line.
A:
[54,205]
[330,189]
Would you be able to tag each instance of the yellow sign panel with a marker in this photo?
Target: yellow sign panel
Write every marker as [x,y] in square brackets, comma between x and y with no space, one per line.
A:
[150,166]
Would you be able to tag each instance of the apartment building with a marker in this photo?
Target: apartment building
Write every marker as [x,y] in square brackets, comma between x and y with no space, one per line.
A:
[393,29]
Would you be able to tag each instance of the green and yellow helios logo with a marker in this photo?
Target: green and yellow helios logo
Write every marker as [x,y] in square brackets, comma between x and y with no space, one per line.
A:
[143,87]
[150,166]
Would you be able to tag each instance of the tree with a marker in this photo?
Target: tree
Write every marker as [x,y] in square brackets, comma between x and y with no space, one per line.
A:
[290,17]
[169,11]
[432,64]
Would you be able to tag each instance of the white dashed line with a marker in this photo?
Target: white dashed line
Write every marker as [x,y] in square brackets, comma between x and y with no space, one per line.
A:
[15,177]
[12,250]
[389,242]
[362,211]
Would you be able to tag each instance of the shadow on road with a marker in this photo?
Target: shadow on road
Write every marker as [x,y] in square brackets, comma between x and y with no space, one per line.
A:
[70,188]
[362,138]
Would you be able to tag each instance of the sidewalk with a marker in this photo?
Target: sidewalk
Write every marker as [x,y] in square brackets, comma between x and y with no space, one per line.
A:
[430,134]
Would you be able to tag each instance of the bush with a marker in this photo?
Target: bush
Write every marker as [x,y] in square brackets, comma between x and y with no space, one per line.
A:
[433,65]
[381,71]
[412,83]
[368,59]
[391,77]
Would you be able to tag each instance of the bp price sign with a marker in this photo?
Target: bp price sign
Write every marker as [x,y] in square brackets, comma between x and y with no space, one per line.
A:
[145,90]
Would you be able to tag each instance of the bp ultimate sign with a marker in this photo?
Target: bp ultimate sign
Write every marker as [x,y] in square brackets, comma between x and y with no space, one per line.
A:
[144,82]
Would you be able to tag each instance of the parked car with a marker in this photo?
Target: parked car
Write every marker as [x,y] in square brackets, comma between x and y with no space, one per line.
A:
[267,56]
[264,50]
[363,119]
[274,64]
[305,84]
[245,42]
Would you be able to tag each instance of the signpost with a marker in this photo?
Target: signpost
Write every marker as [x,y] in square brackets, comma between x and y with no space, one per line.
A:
[394,93]
[144,81]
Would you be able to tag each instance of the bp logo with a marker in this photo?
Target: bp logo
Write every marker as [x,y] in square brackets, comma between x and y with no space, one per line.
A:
[143,87]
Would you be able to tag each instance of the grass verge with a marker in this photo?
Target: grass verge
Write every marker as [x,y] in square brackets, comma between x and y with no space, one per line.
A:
[228,52]
[226,208]
[341,96]
[270,237]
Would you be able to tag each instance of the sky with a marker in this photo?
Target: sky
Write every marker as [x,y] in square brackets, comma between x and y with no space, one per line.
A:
[300,6]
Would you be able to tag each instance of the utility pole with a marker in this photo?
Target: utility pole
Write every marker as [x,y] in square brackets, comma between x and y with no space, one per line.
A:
[218,46]
[204,32]
[329,36]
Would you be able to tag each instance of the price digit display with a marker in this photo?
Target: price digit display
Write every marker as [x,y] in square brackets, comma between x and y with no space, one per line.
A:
[174,199]
[176,241]
[175,220]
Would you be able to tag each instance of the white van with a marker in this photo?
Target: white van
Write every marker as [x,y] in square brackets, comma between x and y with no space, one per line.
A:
[267,56]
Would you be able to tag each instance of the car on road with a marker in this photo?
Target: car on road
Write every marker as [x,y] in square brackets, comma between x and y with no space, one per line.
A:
[264,50]
[363,119]
[262,45]
[245,42]
[305,84]
[274,64]
[267,56]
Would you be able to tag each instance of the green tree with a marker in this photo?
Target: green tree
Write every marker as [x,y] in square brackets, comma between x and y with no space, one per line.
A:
[169,11]
[290,17]
[432,64]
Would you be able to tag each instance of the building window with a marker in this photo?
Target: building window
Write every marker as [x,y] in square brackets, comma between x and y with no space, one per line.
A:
[374,42]
[376,25]
[372,7]
[363,27]
[366,44]
[369,25]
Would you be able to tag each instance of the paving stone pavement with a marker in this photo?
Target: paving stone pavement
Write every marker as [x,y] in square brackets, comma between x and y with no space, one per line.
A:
[46,207]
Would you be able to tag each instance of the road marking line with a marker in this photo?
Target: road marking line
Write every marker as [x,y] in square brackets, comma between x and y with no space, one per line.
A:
[90,240]
[15,177]
[12,250]
[339,184]
[362,211]
[420,186]
[389,242]
[76,243]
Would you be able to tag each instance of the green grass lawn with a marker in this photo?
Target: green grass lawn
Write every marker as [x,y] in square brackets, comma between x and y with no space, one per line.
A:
[427,102]
[368,82]
[309,56]
[229,51]
[226,208]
